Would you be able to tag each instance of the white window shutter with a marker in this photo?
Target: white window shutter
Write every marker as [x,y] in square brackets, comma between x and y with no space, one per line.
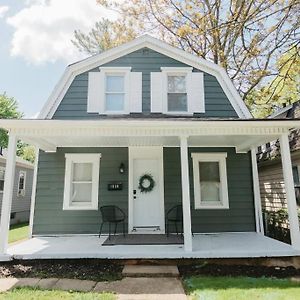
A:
[156,92]
[95,101]
[135,92]
[195,92]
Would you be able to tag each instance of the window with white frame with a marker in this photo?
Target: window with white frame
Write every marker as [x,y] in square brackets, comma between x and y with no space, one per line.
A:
[22,183]
[81,181]
[177,93]
[2,175]
[114,92]
[210,180]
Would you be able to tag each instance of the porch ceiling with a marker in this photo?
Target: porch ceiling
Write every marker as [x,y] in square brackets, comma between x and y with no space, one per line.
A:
[242,134]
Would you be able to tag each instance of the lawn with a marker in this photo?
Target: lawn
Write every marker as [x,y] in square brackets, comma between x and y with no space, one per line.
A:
[18,232]
[38,294]
[246,288]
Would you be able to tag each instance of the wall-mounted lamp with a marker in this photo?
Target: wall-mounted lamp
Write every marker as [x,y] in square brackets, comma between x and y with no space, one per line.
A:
[122,168]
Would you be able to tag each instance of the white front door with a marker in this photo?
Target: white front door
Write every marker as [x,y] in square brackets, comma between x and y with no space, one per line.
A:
[146,208]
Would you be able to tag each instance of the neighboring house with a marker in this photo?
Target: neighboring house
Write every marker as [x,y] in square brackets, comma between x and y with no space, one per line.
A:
[22,189]
[147,108]
[270,168]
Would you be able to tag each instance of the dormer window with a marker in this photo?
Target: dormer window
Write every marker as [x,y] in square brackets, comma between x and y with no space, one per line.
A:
[114,93]
[177,94]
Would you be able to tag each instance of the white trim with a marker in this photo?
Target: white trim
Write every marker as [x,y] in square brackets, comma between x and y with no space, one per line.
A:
[8,192]
[33,193]
[219,157]
[23,191]
[156,45]
[186,198]
[290,190]
[155,152]
[257,197]
[94,159]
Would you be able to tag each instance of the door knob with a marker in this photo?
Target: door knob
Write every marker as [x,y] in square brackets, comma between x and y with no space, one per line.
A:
[134,192]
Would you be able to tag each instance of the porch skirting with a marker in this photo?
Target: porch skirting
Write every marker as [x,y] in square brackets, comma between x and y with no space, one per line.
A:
[219,245]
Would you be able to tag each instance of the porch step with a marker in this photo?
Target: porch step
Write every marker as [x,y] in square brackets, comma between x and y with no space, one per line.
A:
[150,271]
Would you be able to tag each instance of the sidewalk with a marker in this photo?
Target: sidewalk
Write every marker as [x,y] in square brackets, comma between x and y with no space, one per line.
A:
[126,289]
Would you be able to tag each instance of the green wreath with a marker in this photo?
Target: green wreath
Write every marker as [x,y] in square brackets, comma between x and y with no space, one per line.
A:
[146,183]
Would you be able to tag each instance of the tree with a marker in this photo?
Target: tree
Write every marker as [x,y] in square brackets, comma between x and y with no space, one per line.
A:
[27,152]
[246,37]
[103,36]
[8,110]
[284,89]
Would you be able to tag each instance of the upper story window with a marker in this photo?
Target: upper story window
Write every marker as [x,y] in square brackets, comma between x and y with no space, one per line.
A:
[114,93]
[210,180]
[114,90]
[2,175]
[81,181]
[177,93]
[22,183]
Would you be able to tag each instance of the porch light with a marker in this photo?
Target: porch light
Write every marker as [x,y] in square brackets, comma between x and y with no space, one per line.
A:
[122,168]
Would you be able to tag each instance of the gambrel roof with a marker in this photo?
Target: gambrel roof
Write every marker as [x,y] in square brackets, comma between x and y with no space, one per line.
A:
[145,41]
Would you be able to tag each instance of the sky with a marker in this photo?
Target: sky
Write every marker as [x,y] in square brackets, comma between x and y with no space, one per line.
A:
[35,45]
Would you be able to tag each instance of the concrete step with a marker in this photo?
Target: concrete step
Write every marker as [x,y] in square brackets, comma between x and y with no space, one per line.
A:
[150,271]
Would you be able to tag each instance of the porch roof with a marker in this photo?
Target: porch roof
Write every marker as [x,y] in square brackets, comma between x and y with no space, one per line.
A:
[125,131]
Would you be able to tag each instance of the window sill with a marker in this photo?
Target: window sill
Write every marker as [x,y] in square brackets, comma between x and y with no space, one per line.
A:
[203,206]
[80,208]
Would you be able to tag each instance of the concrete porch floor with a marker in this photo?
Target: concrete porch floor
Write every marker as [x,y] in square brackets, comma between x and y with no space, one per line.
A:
[219,245]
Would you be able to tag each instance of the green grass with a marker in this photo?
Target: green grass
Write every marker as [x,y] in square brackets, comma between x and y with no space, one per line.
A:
[39,294]
[18,232]
[236,288]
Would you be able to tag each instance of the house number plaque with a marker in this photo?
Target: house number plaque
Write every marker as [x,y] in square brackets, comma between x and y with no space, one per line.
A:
[115,186]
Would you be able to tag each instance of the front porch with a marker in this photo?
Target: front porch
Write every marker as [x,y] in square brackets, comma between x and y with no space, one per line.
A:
[218,245]
[177,142]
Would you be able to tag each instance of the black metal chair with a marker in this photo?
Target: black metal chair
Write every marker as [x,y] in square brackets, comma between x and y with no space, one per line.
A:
[175,216]
[112,214]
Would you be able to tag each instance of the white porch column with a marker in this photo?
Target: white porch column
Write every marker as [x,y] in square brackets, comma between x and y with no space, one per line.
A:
[33,193]
[256,191]
[290,190]
[7,192]
[185,183]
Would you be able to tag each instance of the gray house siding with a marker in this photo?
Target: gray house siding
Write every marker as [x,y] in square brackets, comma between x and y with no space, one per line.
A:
[74,103]
[239,216]
[20,208]
[49,218]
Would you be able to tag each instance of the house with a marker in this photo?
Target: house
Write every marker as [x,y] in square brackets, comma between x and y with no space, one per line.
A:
[271,179]
[22,189]
[145,126]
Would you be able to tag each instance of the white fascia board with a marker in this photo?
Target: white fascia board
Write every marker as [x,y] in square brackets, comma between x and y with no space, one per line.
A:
[156,45]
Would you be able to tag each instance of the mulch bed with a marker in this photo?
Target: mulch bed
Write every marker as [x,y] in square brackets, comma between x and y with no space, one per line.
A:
[107,270]
[237,270]
[84,269]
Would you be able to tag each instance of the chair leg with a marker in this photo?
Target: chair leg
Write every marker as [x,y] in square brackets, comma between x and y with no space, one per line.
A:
[123,228]
[100,231]
[116,224]
[109,230]
[167,228]
[176,228]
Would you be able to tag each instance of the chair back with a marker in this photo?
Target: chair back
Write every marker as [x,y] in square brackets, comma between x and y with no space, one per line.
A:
[175,213]
[111,213]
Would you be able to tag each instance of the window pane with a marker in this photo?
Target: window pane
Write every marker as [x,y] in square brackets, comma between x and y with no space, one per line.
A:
[81,192]
[177,102]
[1,185]
[21,181]
[210,191]
[115,84]
[82,171]
[176,84]
[209,181]
[114,102]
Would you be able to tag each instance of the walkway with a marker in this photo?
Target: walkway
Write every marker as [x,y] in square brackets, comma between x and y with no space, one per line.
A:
[165,288]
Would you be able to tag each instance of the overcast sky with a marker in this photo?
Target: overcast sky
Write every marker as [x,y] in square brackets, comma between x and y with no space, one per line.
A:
[35,45]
